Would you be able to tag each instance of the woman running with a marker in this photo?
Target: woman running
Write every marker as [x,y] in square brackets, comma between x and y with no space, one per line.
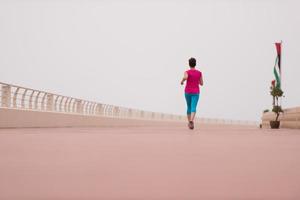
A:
[192,90]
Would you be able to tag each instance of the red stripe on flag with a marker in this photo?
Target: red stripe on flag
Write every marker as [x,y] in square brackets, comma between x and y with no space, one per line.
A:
[278,48]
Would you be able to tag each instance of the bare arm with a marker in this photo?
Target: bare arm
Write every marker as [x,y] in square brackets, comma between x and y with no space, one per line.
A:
[201,81]
[185,76]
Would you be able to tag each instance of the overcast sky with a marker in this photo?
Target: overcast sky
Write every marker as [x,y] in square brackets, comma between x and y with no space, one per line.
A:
[133,53]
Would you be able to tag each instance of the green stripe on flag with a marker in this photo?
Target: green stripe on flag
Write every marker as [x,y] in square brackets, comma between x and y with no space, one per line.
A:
[278,83]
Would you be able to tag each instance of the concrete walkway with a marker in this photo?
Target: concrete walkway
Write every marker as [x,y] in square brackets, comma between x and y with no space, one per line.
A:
[167,162]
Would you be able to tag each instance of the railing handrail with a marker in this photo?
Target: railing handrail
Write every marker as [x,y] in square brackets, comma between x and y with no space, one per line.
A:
[48,101]
[26,88]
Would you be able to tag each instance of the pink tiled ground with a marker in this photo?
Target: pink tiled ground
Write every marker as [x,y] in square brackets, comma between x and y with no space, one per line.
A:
[152,162]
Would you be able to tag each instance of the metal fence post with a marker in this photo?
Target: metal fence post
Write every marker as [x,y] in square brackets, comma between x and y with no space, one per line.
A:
[79,106]
[49,105]
[6,96]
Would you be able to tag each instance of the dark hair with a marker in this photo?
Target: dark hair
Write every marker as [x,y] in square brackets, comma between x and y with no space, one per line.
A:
[192,62]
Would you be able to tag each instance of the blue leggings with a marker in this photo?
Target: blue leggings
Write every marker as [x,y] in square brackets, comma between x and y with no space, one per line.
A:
[191,102]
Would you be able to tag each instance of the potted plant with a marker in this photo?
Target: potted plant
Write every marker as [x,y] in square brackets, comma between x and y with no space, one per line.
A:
[276,93]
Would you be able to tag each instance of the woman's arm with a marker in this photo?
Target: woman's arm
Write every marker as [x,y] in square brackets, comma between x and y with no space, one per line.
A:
[185,76]
[201,80]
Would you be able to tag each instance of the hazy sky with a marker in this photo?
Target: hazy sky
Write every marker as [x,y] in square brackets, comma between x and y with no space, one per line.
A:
[134,53]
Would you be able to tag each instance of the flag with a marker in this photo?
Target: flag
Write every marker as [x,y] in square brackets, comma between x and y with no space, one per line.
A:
[277,67]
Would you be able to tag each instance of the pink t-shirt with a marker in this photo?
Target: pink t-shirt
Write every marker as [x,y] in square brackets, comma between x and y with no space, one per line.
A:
[193,80]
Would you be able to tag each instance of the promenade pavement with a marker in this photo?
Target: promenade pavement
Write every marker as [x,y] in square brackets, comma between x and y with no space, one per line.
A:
[163,161]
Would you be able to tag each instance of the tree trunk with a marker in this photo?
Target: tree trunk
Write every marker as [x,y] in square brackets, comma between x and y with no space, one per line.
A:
[277,115]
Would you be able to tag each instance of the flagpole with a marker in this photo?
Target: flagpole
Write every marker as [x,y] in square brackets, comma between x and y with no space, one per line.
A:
[281,69]
[281,62]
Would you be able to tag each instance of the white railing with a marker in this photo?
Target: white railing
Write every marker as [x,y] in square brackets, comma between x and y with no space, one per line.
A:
[18,97]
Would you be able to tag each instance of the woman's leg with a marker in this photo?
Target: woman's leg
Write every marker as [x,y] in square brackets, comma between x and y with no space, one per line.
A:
[194,102]
[189,117]
[188,104]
